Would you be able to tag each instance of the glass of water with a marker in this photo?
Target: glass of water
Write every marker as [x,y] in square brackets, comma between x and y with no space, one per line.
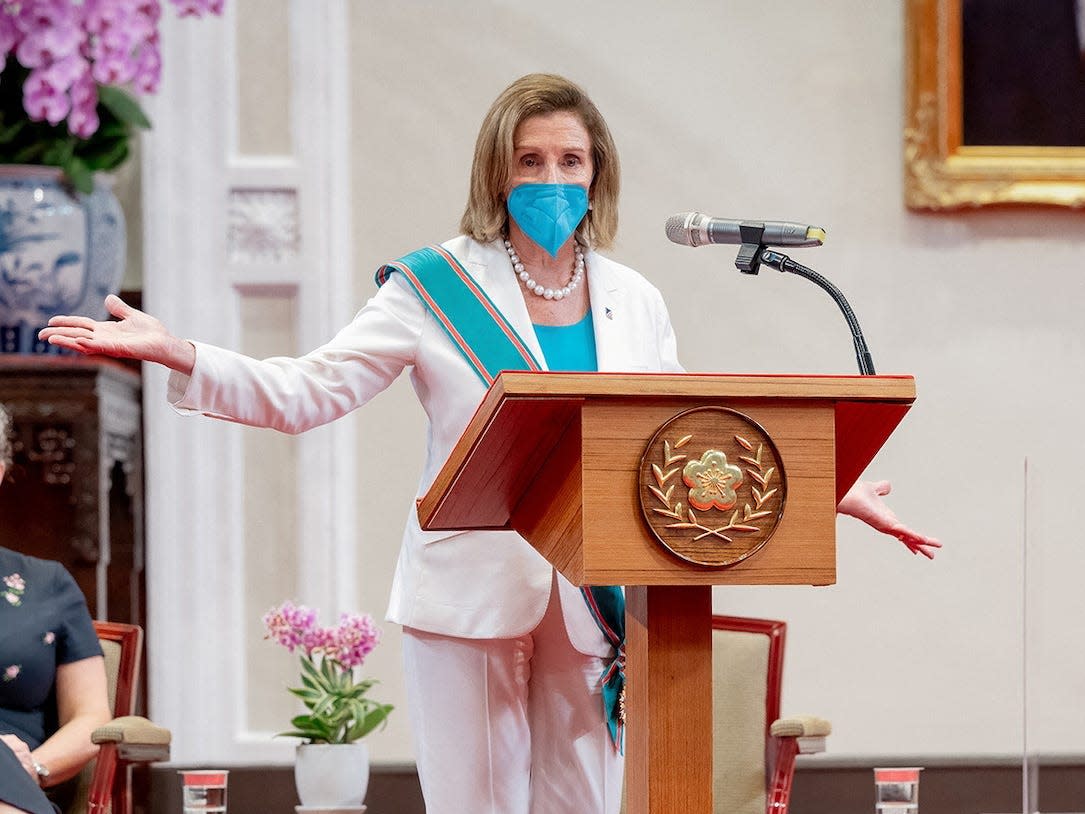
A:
[896,790]
[204,791]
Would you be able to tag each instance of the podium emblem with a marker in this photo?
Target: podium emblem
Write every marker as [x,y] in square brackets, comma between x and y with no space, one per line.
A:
[712,486]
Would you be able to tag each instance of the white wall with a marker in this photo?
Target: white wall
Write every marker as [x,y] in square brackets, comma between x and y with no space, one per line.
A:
[766,109]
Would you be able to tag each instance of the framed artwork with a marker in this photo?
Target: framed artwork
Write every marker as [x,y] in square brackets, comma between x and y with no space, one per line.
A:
[995,103]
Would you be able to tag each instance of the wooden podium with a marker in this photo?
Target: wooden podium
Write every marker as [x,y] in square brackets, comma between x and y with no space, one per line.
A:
[571,462]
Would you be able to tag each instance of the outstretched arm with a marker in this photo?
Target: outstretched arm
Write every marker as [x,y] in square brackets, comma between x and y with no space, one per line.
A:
[135,335]
[864,501]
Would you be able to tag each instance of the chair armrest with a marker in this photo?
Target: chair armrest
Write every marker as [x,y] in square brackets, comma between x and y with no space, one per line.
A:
[809,732]
[136,738]
[801,726]
[791,736]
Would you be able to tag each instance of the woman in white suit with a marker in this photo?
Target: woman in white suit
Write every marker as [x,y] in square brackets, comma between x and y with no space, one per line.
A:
[503,658]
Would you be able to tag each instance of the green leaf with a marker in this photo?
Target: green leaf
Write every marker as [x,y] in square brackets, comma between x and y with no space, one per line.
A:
[326,706]
[106,159]
[308,697]
[80,175]
[30,154]
[8,133]
[361,688]
[122,105]
[57,154]
[377,716]
[304,721]
[319,681]
[114,130]
[331,674]
[316,728]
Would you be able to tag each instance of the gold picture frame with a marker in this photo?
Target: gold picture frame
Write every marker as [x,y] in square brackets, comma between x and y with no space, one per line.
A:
[942,173]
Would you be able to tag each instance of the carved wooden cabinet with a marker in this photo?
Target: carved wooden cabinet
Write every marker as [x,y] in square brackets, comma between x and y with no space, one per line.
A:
[75,490]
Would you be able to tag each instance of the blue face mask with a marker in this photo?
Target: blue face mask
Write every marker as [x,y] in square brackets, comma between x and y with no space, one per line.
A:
[548,213]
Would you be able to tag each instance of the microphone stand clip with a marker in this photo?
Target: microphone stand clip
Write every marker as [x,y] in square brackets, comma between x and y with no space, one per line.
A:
[749,253]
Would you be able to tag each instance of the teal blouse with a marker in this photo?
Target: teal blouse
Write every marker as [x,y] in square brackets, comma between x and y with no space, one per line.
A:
[569,347]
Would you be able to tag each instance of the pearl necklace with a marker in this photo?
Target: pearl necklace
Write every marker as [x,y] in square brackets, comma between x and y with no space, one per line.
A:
[537,288]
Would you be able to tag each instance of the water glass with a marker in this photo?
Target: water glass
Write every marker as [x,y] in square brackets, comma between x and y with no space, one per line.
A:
[204,791]
[897,790]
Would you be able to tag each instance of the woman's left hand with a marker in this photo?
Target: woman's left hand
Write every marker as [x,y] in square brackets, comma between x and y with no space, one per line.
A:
[864,501]
[22,752]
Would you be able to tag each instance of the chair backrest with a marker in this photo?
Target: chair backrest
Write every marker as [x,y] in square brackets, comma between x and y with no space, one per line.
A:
[122,646]
[747,667]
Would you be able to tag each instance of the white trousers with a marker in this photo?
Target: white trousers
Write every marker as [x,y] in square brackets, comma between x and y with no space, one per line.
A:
[510,726]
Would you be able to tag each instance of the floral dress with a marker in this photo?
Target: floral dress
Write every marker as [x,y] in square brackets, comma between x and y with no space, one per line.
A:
[43,623]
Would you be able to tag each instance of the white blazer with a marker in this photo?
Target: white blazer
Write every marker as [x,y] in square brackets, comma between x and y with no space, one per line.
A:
[474,584]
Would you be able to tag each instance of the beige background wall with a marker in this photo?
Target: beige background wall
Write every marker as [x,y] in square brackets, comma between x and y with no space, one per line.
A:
[791,111]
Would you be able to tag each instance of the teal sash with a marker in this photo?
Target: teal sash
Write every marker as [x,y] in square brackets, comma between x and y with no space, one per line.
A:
[490,344]
[474,324]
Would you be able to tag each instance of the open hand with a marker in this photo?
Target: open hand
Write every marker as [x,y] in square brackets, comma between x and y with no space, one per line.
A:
[135,335]
[864,501]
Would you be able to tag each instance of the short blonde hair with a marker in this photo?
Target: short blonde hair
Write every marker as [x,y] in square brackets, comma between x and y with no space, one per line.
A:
[485,217]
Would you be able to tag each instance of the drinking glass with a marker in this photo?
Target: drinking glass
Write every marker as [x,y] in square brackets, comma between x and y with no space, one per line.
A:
[896,790]
[204,791]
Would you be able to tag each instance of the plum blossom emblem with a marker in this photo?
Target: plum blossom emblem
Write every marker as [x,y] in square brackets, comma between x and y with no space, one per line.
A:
[711,486]
[712,481]
[714,484]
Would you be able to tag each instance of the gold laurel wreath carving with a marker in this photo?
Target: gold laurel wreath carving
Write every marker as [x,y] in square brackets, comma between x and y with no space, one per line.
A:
[685,515]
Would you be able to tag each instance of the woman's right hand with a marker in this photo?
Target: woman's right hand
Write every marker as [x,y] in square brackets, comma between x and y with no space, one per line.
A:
[22,752]
[135,335]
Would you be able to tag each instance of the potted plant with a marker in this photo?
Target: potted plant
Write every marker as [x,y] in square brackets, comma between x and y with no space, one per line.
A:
[332,765]
[70,71]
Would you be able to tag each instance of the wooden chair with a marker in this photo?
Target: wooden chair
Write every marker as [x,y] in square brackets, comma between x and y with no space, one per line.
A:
[105,783]
[754,749]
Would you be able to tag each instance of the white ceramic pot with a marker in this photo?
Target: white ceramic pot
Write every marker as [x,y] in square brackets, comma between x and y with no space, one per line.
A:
[332,775]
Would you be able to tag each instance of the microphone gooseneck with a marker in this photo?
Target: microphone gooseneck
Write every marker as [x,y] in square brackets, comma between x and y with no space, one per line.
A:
[782,262]
[754,239]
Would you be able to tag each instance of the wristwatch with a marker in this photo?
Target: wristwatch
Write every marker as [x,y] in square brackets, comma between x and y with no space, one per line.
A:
[42,770]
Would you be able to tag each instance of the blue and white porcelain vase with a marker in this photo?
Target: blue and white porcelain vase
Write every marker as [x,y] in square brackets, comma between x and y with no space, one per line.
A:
[61,252]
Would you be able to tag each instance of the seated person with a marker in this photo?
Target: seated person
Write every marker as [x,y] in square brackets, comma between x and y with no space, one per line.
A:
[53,689]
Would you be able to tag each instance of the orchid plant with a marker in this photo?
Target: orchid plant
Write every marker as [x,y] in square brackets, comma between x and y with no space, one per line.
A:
[339,711]
[68,71]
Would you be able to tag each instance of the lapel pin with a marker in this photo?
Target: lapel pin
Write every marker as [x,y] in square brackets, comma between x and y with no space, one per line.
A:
[609,313]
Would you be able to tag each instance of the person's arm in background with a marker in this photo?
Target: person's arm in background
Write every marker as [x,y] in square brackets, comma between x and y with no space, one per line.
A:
[82,707]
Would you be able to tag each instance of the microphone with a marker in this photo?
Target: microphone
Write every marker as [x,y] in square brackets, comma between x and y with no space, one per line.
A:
[754,239]
[697,229]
